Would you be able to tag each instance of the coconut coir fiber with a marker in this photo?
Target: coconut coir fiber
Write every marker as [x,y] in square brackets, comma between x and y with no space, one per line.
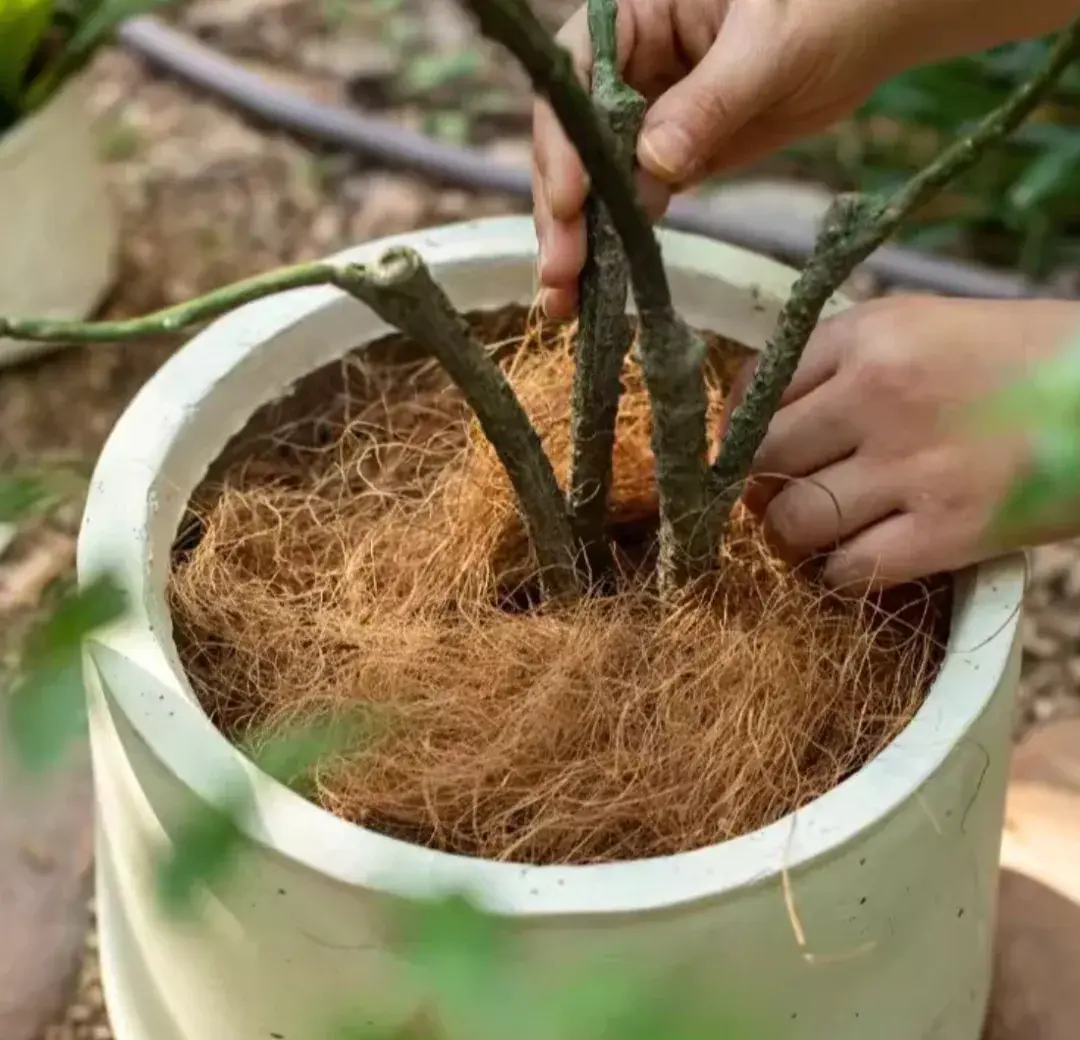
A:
[365,551]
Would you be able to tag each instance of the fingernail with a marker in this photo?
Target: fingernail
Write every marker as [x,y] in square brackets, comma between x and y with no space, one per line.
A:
[669,151]
[542,234]
[654,194]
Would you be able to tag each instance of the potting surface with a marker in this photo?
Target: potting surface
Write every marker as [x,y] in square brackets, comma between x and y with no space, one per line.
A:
[206,198]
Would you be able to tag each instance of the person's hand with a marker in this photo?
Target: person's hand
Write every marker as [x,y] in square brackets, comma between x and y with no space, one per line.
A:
[729,81]
[872,462]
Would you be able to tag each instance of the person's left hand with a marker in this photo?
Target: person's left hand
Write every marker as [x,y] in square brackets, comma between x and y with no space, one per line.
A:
[871,461]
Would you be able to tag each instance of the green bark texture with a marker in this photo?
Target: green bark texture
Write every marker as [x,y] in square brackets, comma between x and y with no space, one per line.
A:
[604,329]
[401,290]
[672,355]
[171,319]
[854,227]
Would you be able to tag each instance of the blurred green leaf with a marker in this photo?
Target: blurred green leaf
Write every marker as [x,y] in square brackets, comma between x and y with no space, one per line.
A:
[461,955]
[100,18]
[208,844]
[1046,176]
[92,24]
[23,24]
[203,850]
[77,616]
[1052,479]
[46,709]
[453,127]
[428,72]
[20,497]
[47,714]
[290,755]
[1036,172]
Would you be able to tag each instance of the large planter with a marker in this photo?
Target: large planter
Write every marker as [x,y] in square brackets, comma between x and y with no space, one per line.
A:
[892,874]
[60,229]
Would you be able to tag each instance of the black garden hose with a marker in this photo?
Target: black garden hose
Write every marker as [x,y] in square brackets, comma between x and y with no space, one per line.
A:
[351,131]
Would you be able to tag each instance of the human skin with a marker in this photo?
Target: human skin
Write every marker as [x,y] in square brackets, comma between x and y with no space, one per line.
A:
[874,464]
[866,465]
[728,81]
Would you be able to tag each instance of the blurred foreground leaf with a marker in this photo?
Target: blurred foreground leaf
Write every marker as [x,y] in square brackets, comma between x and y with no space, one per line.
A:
[23,24]
[1045,407]
[203,851]
[208,844]
[293,754]
[1052,480]
[468,976]
[84,26]
[20,496]
[47,708]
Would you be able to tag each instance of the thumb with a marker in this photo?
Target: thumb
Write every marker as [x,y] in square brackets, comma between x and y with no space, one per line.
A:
[689,124]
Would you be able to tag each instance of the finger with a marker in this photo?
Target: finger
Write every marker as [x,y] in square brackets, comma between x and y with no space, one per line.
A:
[560,304]
[815,514]
[562,253]
[654,194]
[819,363]
[561,256]
[904,547]
[558,174]
[820,360]
[811,433]
[696,118]
[561,176]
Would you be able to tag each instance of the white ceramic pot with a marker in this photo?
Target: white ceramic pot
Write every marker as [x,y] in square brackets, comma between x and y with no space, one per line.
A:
[60,230]
[892,874]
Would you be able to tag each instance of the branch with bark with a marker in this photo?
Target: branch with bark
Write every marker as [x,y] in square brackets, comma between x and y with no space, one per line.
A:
[400,289]
[604,329]
[854,227]
[672,355]
[695,502]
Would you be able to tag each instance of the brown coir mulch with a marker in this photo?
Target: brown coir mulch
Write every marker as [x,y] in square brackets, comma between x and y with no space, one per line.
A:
[368,556]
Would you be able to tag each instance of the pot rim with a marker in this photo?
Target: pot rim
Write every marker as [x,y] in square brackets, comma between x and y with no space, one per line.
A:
[137,660]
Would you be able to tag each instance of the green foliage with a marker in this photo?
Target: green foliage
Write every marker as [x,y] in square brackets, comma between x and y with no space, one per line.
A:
[428,72]
[204,850]
[44,42]
[1045,407]
[465,963]
[1019,206]
[46,710]
[21,496]
[211,841]
[23,24]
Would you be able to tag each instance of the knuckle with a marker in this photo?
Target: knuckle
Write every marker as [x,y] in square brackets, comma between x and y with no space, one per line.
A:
[881,364]
[783,519]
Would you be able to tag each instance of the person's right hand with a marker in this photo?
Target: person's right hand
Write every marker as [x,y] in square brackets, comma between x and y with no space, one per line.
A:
[728,81]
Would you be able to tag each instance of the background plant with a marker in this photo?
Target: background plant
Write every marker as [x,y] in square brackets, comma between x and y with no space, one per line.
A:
[1019,207]
[45,42]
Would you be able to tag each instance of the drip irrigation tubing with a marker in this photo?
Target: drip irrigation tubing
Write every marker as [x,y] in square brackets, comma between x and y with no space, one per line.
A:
[175,54]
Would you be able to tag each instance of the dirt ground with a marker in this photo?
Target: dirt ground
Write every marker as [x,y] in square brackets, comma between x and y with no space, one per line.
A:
[206,198]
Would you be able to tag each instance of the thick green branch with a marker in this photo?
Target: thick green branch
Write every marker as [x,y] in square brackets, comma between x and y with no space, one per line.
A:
[604,329]
[672,356]
[854,228]
[172,319]
[400,289]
